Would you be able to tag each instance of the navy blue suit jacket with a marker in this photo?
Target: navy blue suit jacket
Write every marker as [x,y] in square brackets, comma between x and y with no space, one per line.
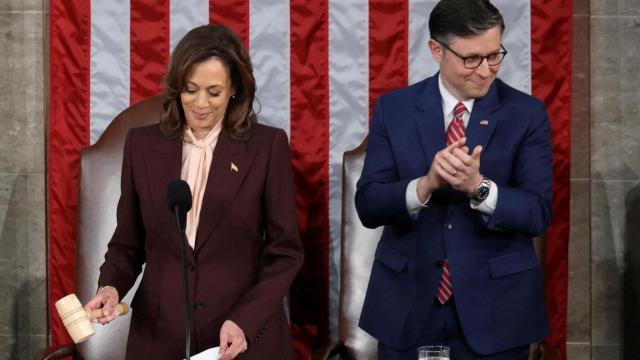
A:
[496,278]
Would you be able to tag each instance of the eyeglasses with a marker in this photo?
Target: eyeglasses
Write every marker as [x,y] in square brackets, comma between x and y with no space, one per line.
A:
[474,61]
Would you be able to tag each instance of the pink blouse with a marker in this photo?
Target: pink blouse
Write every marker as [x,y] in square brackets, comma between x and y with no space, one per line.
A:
[196,164]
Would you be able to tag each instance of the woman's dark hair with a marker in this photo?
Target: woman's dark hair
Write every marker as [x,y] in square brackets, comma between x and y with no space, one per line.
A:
[463,18]
[198,45]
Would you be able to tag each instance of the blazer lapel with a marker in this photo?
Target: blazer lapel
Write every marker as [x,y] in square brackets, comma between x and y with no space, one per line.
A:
[230,165]
[164,166]
[481,123]
[430,122]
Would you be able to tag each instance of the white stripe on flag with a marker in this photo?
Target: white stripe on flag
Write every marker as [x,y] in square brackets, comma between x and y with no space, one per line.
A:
[348,116]
[421,64]
[109,63]
[516,67]
[184,16]
[269,38]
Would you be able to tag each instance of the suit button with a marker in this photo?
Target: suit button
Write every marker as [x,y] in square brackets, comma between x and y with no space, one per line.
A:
[199,306]
[448,226]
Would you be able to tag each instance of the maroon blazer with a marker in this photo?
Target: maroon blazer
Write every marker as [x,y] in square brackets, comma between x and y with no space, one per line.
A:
[247,249]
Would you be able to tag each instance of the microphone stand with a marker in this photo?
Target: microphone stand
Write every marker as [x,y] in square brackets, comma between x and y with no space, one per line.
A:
[185,283]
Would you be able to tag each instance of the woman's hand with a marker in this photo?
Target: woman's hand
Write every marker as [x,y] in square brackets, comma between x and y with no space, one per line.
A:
[232,341]
[107,298]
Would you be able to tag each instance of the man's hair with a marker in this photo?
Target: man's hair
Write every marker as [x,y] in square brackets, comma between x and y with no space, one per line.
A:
[463,18]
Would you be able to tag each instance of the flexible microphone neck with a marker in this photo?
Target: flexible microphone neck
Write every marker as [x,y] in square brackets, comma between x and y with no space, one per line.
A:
[181,218]
[179,202]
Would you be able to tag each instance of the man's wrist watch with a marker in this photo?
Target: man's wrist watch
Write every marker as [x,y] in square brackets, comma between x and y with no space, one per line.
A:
[481,192]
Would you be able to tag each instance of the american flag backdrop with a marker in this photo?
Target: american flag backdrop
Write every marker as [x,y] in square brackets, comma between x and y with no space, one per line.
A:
[319,67]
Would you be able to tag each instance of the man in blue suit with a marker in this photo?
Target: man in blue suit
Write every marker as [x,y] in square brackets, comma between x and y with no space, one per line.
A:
[458,170]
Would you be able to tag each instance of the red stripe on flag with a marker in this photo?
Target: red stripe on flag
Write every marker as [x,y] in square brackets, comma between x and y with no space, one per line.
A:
[388,47]
[551,82]
[149,47]
[68,132]
[310,154]
[231,13]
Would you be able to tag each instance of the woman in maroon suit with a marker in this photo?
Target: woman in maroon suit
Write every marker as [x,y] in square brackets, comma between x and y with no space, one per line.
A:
[244,250]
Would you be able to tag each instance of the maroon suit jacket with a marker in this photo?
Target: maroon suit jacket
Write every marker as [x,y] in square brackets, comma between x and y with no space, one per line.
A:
[247,249]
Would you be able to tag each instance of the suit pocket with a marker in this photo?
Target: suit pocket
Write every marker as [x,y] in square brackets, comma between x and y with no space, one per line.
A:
[391,257]
[146,305]
[513,262]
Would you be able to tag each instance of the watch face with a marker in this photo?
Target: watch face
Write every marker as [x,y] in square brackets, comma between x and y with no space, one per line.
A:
[481,193]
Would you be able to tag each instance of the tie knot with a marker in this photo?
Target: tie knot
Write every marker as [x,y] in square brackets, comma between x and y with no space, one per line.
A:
[459,110]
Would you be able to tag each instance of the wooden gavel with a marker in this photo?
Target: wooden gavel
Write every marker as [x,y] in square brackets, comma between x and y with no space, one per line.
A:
[77,320]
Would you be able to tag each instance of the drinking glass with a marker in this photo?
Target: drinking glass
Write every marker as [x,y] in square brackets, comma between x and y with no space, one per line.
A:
[433,353]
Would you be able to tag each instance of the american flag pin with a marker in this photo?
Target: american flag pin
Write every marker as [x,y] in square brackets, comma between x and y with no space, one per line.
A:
[234,168]
[484,122]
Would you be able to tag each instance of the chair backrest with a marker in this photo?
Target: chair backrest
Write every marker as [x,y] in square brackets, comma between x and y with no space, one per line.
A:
[100,171]
[358,245]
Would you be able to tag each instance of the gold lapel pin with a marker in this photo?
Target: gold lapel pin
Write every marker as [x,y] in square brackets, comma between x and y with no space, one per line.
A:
[234,168]
[484,122]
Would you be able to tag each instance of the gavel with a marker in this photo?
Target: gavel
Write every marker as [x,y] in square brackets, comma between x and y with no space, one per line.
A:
[77,320]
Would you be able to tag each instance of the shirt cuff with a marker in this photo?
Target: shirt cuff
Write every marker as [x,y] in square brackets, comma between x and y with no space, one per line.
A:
[488,206]
[411,198]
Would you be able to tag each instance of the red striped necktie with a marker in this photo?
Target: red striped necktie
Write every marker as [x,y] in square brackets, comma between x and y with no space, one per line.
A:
[445,290]
[456,127]
[455,132]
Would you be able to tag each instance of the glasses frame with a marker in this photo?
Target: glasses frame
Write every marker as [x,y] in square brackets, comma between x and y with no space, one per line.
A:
[464,59]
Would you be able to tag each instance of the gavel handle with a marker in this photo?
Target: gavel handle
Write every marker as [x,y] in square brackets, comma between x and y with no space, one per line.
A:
[121,308]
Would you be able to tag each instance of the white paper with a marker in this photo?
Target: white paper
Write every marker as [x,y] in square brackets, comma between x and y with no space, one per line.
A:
[209,354]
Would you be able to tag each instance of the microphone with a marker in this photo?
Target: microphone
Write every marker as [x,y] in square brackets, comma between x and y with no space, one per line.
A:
[179,202]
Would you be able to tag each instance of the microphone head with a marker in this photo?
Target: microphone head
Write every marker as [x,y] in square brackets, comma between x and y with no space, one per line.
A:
[179,195]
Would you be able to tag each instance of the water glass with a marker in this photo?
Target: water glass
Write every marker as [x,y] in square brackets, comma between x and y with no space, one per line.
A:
[433,353]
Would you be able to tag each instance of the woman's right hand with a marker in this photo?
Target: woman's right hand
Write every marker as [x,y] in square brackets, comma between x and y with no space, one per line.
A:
[107,298]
